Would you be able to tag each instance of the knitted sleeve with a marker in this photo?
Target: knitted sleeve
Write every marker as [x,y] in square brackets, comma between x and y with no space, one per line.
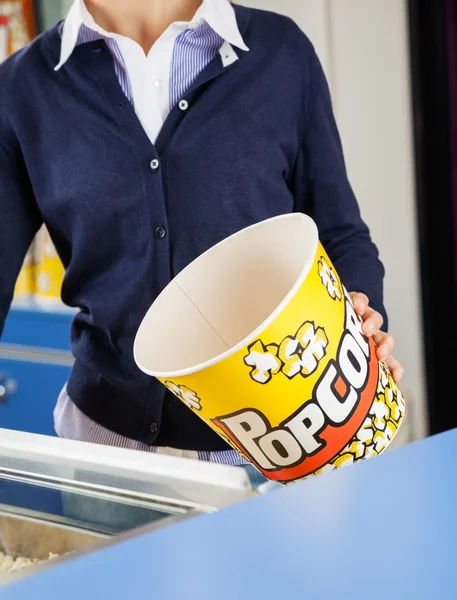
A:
[322,190]
[19,216]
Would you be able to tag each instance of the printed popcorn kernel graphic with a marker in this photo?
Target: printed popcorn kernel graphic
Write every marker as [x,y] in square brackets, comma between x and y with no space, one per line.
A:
[302,353]
[379,427]
[329,279]
[344,460]
[296,354]
[185,394]
[264,361]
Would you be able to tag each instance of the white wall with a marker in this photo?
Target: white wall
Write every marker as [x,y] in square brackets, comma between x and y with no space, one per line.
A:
[363,45]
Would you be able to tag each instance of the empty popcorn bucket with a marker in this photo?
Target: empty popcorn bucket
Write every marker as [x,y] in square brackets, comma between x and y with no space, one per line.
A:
[259,338]
[49,271]
[25,284]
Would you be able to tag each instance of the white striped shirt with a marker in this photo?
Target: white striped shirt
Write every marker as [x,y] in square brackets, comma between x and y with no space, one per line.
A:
[154,84]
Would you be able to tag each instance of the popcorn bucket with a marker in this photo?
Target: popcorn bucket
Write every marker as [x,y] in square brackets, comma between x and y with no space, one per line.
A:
[259,338]
[49,271]
[25,284]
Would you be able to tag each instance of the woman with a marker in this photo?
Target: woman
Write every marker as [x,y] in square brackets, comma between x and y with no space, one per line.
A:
[142,132]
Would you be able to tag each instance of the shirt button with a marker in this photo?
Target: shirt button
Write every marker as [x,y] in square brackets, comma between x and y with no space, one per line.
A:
[161,232]
[183,105]
[154,164]
[154,427]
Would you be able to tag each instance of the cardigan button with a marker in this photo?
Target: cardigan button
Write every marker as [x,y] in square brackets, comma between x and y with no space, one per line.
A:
[183,105]
[161,232]
[154,427]
[154,164]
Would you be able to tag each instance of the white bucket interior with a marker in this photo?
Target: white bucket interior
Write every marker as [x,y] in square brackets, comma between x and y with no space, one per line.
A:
[225,295]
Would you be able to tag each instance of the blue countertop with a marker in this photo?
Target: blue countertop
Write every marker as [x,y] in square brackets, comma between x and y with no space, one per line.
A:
[384,529]
[27,321]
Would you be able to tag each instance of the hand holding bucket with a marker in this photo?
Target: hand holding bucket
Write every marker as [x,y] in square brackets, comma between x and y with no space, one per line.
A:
[259,337]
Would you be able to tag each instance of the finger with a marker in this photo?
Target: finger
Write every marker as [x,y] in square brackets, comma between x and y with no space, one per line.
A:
[395,368]
[385,344]
[372,322]
[360,302]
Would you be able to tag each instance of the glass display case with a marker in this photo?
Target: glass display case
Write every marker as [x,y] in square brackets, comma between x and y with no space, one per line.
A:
[60,497]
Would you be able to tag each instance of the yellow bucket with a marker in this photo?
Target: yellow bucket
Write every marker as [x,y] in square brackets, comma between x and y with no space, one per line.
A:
[25,284]
[259,338]
[49,271]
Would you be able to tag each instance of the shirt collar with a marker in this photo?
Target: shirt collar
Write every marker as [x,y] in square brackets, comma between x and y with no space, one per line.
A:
[219,14]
